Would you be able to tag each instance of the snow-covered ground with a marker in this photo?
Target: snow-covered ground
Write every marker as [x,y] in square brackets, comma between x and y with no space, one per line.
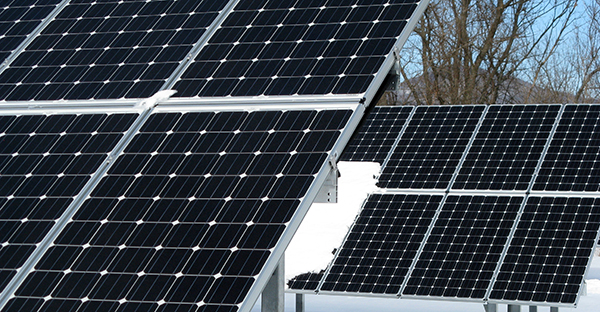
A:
[324,229]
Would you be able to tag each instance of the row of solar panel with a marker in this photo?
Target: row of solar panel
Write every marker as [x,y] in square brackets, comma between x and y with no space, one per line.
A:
[131,49]
[463,247]
[498,147]
[183,220]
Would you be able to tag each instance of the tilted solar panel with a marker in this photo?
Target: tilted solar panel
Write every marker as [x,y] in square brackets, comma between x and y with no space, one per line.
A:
[376,136]
[45,161]
[107,50]
[273,47]
[550,251]
[507,148]
[572,162]
[430,150]
[188,215]
[462,252]
[381,245]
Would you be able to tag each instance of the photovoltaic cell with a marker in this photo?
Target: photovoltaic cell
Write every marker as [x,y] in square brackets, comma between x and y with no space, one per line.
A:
[507,147]
[430,149]
[18,19]
[572,162]
[187,216]
[382,243]
[375,137]
[549,253]
[45,161]
[273,47]
[107,50]
[464,247]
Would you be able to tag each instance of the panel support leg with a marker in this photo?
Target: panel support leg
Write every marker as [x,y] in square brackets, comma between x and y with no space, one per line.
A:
[514,308]
[553,309]
[490,307]
[300,303]
[273,294]
[532,308]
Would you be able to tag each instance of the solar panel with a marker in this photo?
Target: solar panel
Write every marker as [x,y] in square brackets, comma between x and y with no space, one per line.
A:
[381,245]
[429,151]
[375,137]
[550,251]
[462,252]
[45,161]
[572,162]
[188,215]
[18,19]
[307,281]
[272,47]
[107,50]
[507,147]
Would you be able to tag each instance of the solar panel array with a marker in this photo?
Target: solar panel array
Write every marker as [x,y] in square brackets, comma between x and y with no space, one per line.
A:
[111,207]
[502,229]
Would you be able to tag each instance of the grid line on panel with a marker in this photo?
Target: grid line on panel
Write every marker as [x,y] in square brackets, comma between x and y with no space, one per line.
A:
[107,50]
[550,251]
[507,148]
[21,22]
[189,213]
[376,254]
[304,47]
[571,162]
[431,147]
[50,148]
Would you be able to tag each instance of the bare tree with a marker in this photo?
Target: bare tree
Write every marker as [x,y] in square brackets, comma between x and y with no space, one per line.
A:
[472,51]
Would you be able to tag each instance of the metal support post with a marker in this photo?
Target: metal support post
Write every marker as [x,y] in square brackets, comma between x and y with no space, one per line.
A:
[273,295]
[514,308]
[532,308]
[490,307]
[300,303]
[553,309]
